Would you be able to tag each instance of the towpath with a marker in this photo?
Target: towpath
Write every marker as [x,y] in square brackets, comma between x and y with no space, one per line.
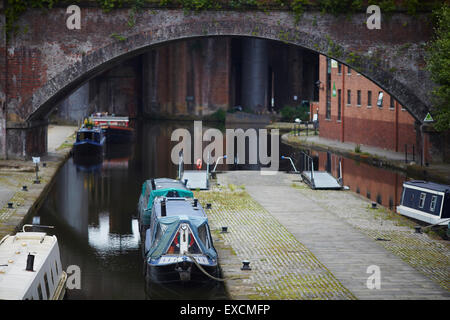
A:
[328,243]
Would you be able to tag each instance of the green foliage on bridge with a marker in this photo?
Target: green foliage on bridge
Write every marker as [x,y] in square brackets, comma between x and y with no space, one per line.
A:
[14,8]
[438,63]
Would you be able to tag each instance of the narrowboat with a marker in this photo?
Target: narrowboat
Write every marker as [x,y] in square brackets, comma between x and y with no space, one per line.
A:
[178,244]
[90,142]
[155,188]
[30,267]
[116,128]
[426,201]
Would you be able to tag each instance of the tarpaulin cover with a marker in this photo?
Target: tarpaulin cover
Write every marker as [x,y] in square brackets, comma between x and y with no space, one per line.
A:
[169,227]
[158,193]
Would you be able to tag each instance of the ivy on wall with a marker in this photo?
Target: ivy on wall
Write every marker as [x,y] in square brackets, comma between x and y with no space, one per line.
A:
[14,8]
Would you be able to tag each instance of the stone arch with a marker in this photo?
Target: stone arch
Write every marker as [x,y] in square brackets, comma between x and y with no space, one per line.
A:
[89,65]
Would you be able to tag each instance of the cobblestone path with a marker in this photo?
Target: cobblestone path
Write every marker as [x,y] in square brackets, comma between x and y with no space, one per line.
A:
[282,268]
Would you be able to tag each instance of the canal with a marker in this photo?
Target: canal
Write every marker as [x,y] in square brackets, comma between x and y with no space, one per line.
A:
[93,208]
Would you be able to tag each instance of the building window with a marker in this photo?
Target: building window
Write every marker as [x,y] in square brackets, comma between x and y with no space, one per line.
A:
[380,99]
[379,201]
[339,68]
[369,98]
[349,97]
[358,98]
[339,104]
[422,199]
[349,71]
[368,194]
[392,104]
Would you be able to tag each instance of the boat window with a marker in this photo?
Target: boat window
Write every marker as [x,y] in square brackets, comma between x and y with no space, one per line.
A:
[203,235]
[422,199]
[433,203]
[52,276]
[39,289]
[84,135]
[160,230]
[180,239]
[47,289]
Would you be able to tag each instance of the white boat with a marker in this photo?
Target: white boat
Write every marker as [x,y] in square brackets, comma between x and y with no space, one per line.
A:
[30,267]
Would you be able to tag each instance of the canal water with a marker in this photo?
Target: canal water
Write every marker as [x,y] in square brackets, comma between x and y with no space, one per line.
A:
[93,207]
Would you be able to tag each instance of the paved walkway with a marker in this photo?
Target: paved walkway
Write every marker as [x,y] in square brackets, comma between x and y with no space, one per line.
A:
[350,147]
[57,135]
[340,230]
[437,171]
[16,173]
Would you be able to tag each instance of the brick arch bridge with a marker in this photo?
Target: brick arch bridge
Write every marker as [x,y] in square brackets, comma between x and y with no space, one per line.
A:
[49,61]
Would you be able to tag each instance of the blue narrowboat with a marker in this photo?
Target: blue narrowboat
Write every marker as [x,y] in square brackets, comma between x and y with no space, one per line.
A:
[178,243]
[90,141]
[426,201]
[153,188]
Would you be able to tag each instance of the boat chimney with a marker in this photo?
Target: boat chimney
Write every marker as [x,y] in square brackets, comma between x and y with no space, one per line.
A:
[30,262]
[153,184]
[163,208]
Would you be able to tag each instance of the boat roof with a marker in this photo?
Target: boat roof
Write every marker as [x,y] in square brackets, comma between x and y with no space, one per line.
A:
[179,207]
[85,129]
[14,279]
[164,183]
[428,185]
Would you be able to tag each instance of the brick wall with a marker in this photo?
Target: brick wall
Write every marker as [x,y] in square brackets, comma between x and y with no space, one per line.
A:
[363,123]
[189,77]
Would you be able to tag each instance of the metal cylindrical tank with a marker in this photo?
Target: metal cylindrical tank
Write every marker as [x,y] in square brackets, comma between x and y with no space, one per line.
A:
[255,71]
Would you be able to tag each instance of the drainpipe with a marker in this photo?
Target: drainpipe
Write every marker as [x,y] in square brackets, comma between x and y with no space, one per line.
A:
[342,103]
[396,126]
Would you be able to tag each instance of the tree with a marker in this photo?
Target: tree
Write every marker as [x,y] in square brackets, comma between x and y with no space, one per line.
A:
[438,63]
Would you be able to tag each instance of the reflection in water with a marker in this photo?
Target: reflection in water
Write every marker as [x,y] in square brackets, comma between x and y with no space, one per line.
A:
[93,207]
[380,185]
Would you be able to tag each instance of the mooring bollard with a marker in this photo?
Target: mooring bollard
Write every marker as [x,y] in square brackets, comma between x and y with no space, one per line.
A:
[208,206]
[246,265]
[24,188]
[10,205]
[224,230]
[418,229]
[374,205]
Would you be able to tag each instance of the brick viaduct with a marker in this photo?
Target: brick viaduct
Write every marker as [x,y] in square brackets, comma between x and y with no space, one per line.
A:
[46,62]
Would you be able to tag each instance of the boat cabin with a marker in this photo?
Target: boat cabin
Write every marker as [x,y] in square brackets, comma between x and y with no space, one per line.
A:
[179,232]
[157,188]
[426,201]
[30,267]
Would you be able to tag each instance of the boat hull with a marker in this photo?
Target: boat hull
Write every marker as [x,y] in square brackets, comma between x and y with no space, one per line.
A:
[87,148]
[119,134]
[167,274]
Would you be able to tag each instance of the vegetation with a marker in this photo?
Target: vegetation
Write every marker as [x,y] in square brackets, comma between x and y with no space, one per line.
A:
[438,63]
[14,8]
[289,113]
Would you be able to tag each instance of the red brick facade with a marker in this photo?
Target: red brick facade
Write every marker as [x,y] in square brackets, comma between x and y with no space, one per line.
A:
[361,120]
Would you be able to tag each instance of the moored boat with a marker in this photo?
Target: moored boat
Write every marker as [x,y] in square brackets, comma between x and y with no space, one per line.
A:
[30,267]
[153,188]
[426,201]
[178,243]
[116,128]
[90,142]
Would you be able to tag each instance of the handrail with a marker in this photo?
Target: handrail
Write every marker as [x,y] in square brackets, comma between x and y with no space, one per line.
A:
[292,162]
[217,160]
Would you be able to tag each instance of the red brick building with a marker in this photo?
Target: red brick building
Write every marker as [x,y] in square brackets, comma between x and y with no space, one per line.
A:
[351,110]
